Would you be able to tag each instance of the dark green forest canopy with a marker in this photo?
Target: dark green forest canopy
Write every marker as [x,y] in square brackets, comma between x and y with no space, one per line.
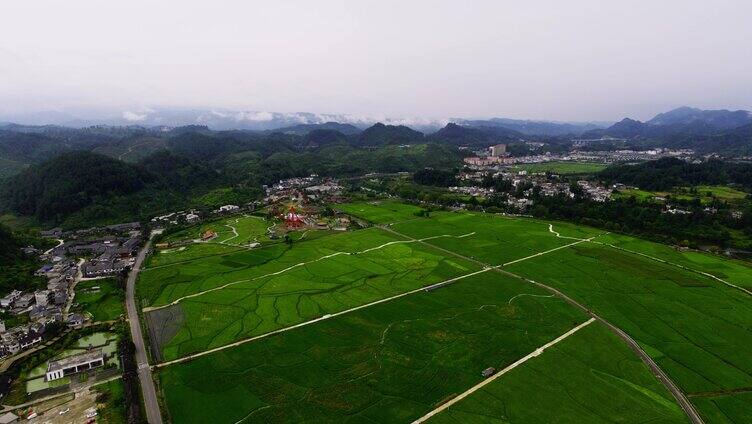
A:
[664,174]
[70,182]
[81,188]
[16,268]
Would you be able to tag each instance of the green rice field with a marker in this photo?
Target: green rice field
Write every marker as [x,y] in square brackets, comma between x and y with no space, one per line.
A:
[725,408]
[277,293]
[591,377]
[696,329]
[388,363]
[492,239]
[731,270]
[189,252]
[394,361]
[380,211]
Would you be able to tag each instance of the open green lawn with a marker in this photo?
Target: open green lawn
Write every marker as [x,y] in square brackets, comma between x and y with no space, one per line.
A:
[260,302]
[380,211]
[249,228]
[696,329]
[561,167]
[103,299]
[590,377]
[392,362]
[233,234]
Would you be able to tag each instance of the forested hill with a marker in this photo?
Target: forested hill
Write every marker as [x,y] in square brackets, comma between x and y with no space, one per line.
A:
[705,131]
[664,174]
[380,135]
[71,182]
[16,268]
[140,177]
[9,247]
[459,135]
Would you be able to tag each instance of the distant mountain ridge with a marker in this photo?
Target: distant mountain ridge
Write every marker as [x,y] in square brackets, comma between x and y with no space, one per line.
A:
[295,122]
[461,135]
[723,119]
[381,135]
[530,127]
[680,122]
[304,129]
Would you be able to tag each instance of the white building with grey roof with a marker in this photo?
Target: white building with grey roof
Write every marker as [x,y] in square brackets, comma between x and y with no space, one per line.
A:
[91,359]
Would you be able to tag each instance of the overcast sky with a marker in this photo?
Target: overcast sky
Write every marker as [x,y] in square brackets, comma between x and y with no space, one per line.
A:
[561,60]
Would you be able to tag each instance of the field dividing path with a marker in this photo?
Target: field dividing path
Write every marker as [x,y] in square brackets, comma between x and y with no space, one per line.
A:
[512,366]
[321,318]
[149,392]
[680,397]
[485,268]
[234,231]
[60,242]
[297,265]
[706,274]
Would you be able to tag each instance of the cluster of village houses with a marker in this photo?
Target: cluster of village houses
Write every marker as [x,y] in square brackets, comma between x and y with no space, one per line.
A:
[497,156]
[547,186]
[90,253]
[313,186]
[301,191]
[193,216]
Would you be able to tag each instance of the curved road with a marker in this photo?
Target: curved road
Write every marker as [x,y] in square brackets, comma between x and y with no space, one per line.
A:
[149,392]
[680,397]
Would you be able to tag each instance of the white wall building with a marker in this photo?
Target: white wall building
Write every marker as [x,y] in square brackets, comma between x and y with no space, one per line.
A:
[75,364]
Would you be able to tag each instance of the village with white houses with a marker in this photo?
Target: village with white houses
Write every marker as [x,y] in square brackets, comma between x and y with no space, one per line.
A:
[80,255]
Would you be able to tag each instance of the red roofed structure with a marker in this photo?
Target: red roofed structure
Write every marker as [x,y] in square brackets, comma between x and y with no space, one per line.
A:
[293,219]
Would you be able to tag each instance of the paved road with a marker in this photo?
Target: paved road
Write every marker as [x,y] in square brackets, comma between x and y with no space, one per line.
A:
[681,398]
[153,415]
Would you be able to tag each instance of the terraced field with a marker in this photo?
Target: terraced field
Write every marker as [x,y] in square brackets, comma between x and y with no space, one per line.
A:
[357,325]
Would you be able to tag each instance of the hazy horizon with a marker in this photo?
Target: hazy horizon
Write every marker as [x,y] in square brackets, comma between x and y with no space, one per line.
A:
[545,60]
